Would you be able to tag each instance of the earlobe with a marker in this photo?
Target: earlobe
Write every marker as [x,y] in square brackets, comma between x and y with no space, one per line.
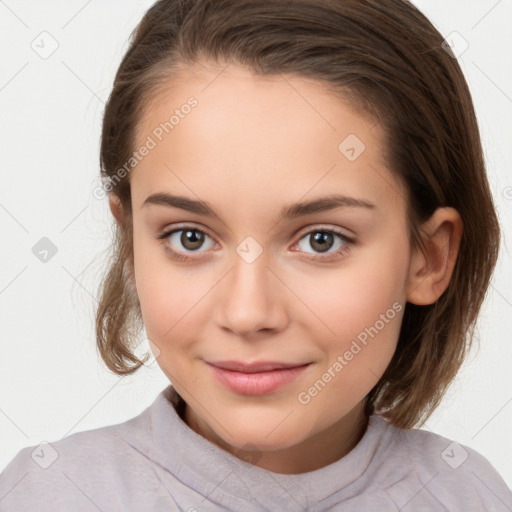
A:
[430,270]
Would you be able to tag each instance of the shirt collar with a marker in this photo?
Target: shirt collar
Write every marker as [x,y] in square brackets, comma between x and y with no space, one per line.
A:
[162,435]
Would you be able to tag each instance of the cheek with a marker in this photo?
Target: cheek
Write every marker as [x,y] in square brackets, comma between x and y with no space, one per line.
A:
[364,318]
[172,297]
[358,313]
[157,288]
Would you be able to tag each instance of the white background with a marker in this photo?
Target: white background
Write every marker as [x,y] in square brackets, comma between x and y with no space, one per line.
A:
[52,382]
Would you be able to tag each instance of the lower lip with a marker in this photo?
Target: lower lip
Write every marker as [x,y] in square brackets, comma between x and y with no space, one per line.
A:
[259,383]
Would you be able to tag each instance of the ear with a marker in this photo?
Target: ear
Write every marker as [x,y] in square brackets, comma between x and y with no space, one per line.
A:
[116,207]
[430,270]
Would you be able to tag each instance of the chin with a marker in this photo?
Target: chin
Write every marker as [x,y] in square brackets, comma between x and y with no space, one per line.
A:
[274,432]
[260,442]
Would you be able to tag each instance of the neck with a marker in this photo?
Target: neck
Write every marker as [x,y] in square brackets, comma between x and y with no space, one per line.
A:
[319,450]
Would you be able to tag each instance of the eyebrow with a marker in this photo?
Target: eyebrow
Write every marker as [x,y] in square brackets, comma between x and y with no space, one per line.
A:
[293,211]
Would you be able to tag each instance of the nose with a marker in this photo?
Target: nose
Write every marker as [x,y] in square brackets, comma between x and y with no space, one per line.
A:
[253,299]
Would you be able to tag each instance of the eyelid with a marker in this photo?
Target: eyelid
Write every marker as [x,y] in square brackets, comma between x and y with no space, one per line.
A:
[348,243]
[348,240]
[167,231]
[300,233]
[325,227]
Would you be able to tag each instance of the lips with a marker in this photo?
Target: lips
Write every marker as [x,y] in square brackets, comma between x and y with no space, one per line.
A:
[265,366]
[255,378]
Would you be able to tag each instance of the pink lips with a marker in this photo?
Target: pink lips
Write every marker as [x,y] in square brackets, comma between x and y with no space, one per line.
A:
[255,378]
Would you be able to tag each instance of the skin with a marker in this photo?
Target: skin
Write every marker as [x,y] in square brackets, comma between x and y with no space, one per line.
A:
[252,146]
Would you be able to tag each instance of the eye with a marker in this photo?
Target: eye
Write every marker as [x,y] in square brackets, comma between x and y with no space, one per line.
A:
[191,239]
[188,237]
[322,240]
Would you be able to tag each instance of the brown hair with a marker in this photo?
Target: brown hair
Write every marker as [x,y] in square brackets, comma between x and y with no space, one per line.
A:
[389,59]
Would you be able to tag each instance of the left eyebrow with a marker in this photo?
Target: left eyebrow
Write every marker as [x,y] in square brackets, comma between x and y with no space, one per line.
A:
[323,204]
[292,211]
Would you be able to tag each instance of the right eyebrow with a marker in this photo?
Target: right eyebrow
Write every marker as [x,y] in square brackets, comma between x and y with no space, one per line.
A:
[181,202]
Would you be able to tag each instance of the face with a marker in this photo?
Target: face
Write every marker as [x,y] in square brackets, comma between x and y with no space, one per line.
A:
[321,289]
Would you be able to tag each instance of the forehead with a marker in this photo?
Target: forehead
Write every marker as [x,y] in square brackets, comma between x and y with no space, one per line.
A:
[227,93]
[259,136]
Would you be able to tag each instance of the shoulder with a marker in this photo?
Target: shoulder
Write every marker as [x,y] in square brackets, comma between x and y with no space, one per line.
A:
[453,474]
[83,468]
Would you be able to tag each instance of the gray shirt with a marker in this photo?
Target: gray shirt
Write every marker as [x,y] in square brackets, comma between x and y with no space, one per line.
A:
[154,461]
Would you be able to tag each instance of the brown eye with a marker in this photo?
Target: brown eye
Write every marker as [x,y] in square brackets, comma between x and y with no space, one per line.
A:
[321,240]
[191,239]
[188,239]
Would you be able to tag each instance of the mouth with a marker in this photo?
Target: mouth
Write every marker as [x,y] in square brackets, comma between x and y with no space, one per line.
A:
[256,378]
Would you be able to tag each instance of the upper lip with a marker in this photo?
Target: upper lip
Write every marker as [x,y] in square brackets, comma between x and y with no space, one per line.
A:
[261,366]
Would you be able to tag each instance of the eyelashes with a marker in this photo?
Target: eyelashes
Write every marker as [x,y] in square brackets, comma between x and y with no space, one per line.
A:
[193,235]
[332,235]
[175,254]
